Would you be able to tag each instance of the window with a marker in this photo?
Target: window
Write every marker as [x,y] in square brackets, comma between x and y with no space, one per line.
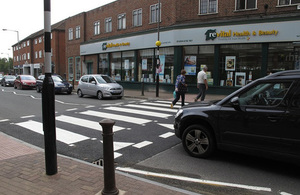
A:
[245,4]
[40,54]
[70,69]
[103,64]
[108,25]
[122,21]
[36,55]
[265,94]
[40,39]
[35,41]
[208,6]
[70,33]
[27,43]
[97,28]
[288,2]
[77,32]
[154,13]
[128,66]
[137,17]
[280,57]
[24,44]
[77,68]
[28,56]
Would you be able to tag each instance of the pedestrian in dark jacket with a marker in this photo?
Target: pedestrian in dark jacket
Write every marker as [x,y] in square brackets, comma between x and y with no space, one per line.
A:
[180,88]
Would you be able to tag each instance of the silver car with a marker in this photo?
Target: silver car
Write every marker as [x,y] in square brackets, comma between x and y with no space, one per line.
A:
[99,85]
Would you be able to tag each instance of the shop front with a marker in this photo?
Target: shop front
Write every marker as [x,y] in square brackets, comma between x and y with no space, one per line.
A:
[234,54]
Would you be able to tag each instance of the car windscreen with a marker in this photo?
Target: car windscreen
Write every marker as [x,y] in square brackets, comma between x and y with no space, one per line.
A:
[104,79]
[10,77]
[56,79]
[28,78]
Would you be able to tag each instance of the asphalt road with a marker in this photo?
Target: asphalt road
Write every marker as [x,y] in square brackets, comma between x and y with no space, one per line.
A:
[145,144]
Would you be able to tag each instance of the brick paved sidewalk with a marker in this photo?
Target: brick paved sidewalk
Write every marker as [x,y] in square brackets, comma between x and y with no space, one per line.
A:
[22,171]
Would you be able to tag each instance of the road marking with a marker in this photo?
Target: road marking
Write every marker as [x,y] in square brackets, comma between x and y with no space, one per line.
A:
[166,135]
[142,144]
[160,105]
[4,120]
[202,181]
[62,135]
[71,109]
[116,117]
[84,123]
[141,112]
[169,126]
[29,116]
[151,108]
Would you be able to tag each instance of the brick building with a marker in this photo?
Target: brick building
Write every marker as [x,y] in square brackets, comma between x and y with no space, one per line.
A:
[29,58]
[239,40]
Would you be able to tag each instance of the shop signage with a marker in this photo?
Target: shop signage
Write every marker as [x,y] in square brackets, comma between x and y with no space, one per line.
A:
[110,45]
[212,34]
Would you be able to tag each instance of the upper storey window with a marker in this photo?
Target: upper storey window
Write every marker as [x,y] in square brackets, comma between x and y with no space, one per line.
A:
[97,28]
[154,11]
[122,21]
[245,4]
[108,25]
[288,2]
[137,17]
[208,6]
[70,33]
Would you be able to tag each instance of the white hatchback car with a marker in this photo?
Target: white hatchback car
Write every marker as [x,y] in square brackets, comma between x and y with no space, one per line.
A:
[99,85]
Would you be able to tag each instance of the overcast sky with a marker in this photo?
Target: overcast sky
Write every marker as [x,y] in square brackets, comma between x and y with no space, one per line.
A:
[27,17]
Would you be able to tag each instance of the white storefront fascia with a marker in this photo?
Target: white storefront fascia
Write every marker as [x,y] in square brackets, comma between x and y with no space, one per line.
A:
[287,31]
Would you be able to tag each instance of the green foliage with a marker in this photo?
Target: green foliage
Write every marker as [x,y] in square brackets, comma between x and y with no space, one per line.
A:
[6,66]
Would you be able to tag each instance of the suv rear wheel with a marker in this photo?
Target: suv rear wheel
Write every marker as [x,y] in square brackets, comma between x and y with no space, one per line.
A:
[198,141]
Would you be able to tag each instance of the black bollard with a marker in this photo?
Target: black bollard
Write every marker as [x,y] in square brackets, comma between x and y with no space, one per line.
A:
[108,158]
[143,87]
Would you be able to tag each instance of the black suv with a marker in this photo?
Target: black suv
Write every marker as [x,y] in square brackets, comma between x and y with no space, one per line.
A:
[262,118]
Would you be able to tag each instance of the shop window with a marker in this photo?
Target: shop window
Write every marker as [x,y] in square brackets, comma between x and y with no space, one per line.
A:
[288,2]
[103,64]
[154,17]
[145,69]
[116,62]
[281,57]
[122,21]
[245,4]
[166,68]
[194,58]
[97,28]
[239,64]
[77,68]
[70,69]
[128,66]
[208,6]
[137,17]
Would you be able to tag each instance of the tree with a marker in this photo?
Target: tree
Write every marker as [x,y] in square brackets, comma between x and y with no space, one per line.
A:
[6,66]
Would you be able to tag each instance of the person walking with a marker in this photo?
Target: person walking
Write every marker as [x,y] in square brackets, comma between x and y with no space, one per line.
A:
[202,83]
[180,88]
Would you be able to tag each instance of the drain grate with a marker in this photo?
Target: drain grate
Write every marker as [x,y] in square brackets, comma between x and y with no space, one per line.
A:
[99,162]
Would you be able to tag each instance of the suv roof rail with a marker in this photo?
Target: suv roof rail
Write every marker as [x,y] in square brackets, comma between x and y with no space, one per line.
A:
[285,73]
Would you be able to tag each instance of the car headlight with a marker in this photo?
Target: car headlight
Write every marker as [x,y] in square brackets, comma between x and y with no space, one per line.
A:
[179,112]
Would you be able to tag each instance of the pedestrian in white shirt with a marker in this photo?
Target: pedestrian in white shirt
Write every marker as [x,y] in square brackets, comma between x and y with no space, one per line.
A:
[202,83]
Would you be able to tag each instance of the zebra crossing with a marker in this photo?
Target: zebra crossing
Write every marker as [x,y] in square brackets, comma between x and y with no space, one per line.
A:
[133,121]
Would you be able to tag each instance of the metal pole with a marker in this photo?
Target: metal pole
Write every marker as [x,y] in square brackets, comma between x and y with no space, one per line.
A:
[157,66]
[108,158]
[48,99]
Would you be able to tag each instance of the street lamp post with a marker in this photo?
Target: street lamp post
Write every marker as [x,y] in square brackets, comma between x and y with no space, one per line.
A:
[158,43]
[18,58]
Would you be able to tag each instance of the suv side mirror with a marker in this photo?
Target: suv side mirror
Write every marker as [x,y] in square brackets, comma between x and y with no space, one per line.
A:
[235,103]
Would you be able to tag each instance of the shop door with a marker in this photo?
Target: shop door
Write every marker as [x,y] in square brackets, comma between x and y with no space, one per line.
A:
[89,68]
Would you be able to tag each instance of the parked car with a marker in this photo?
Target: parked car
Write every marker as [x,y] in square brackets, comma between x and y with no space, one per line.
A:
[60,84]
[8,80]
[262,118]
[24,82]
[99,85]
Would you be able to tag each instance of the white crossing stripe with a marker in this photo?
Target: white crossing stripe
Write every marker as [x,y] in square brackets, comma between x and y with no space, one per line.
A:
[166,135]
[142,144]
[169,126]
[4,120]
[151,108]
[161,105]
[29,116]
[62,135]
[141,112]
[85,123]
[116,117]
